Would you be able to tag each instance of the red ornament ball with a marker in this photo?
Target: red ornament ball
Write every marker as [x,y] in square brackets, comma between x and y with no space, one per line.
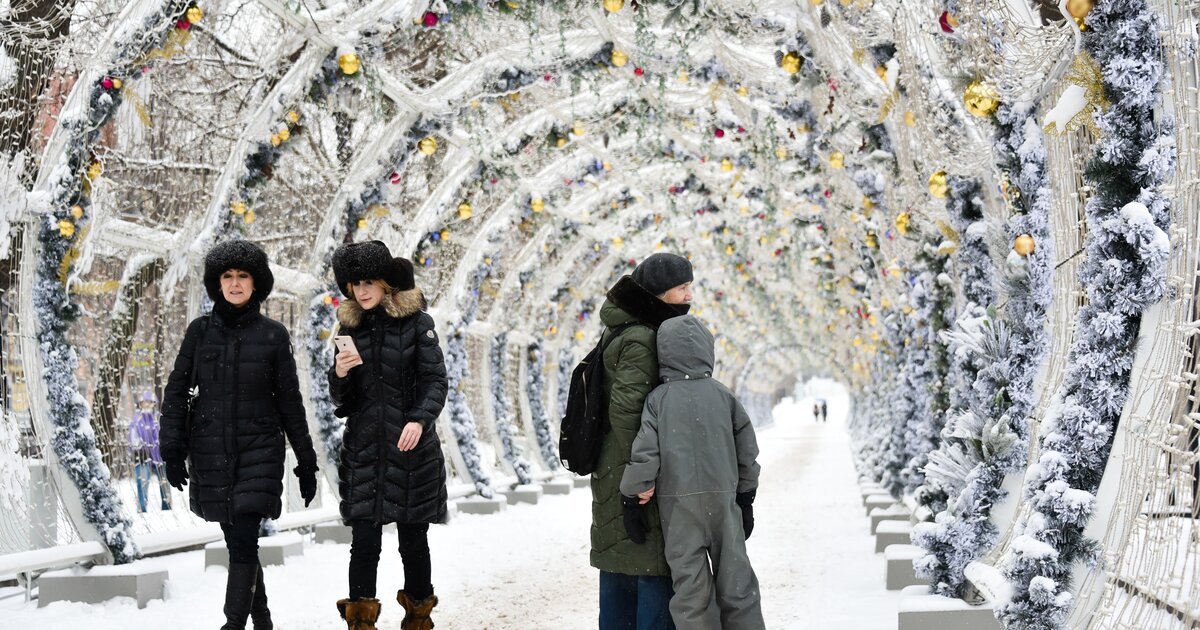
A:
[183,25]
[638,72]
[107,84]
[430,19]
[336,302]
[395,178]
[720,133]
[547,77]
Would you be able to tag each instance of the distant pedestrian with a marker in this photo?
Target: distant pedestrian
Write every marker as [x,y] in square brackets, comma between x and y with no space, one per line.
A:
[816,412]
[824,411]
[143,447]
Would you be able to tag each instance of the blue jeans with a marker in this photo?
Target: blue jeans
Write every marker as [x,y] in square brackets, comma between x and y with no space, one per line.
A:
[632,602]
[141,473]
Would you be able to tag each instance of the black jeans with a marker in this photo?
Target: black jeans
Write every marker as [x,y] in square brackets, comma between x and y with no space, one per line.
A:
[414,552]
[241,538]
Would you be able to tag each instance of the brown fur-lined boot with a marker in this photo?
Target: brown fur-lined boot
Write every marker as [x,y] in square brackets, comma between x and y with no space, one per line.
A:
[416,614]
[359,614]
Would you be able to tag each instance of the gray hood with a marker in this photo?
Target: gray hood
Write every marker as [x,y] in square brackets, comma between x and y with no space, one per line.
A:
[685,349]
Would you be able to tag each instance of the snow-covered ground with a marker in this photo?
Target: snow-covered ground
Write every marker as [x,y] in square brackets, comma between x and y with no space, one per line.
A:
[528,567]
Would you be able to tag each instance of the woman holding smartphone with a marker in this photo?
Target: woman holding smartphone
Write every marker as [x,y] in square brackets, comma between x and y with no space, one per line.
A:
[389,381]
[246,398]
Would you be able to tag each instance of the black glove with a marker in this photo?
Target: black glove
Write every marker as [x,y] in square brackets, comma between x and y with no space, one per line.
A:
[745,500]
[177,474]
[308,483]
[634,515]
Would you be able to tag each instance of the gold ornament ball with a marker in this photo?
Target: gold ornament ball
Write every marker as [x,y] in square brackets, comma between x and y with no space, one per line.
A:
[94,170]
[362,224]
[464,210]
[743,91]
[726,166]
[194,15]
[618,241]
[939,185]
[902,221]
[276,140]
[1024,245]
[66,229]
[837,160]
[445,235]
[537,204]
[349,63]
[560,142]
[910,119]
[77,212]
[781,153]
[578,129]
[981,99]
[1080,9]
[612,6]
[427,146]
[791,63]
[285,134]
[328,300]
[579,336]
[619,59]
[238,207]
[293,116]
[117,84]
[248,217]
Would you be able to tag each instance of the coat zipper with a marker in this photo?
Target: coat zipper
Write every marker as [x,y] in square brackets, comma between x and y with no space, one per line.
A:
[237,351]
[381,448]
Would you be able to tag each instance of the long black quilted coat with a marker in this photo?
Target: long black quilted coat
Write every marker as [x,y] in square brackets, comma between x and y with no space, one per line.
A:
[402,379]
[249,398]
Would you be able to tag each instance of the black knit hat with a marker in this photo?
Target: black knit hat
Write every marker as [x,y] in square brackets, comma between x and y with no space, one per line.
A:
[242,255]
[371,260]
[662,272]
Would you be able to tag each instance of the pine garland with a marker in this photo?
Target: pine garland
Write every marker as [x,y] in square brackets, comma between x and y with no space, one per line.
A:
[536,388]
[1125,273]
[500,407]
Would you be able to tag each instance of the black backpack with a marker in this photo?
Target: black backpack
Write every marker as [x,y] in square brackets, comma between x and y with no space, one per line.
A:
[585,422]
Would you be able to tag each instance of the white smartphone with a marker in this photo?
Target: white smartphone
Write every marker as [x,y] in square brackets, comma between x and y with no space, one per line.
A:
[345,343]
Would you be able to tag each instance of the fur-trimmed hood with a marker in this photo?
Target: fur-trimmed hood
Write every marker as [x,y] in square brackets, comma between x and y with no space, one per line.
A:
[399,305]
[628,301]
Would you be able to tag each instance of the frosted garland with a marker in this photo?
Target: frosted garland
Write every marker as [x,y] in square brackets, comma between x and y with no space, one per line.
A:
[73,439]
[566,365]
[975,272]
[501,406]
[536,385]
[462,421]
[1123,275]
[1010,352]
[321,320]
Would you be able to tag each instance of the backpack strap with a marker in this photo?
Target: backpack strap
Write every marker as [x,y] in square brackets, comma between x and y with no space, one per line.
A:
[614,333]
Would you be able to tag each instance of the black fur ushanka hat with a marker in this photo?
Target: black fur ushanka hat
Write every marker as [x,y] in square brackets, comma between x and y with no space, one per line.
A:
[238,254]
[371,260]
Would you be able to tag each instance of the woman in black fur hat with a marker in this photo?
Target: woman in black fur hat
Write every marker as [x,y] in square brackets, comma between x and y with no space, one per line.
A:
[391,389]
[232,431]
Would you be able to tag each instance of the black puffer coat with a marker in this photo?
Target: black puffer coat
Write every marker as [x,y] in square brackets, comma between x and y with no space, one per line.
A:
[249,398]
[402,379]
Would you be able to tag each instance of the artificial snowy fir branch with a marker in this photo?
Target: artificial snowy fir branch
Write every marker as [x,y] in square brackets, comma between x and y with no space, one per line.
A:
[321,322]
[1127,245]
[1009,352]
[536,385]
[462,421]
[500,408]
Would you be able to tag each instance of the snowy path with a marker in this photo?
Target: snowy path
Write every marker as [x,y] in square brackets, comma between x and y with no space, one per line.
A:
[811,548]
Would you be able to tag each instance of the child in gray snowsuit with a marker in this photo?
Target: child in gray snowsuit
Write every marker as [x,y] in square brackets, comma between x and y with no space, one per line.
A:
[696,452]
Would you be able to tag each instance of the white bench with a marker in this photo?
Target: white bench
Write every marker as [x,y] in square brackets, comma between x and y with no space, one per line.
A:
[900,571]
[531,494]
[272,550]
[889,533]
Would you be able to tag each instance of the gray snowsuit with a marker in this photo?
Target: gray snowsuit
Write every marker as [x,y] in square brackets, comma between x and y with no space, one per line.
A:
[697,448]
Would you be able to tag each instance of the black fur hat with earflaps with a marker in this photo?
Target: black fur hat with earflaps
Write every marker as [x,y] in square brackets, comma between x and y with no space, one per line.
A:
[371,260]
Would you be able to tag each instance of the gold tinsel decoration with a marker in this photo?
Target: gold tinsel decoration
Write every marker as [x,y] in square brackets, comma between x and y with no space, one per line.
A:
[981,99]
[1085,73]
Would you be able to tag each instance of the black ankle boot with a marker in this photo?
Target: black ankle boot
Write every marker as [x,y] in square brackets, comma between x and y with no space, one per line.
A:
[258,609]
[239,595]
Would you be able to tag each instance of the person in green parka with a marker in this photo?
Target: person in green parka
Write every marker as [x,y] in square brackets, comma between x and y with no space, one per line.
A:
[635,581]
